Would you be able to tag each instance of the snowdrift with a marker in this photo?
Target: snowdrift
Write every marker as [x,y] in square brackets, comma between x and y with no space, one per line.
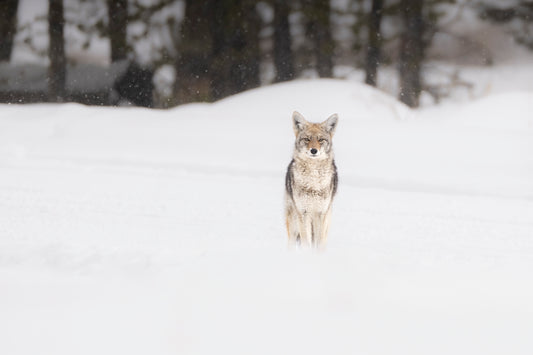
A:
[139,231]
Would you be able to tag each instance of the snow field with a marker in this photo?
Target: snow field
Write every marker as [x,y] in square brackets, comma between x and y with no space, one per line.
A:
[137,231]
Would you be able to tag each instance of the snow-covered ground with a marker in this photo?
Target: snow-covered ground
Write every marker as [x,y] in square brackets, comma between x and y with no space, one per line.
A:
[134,231]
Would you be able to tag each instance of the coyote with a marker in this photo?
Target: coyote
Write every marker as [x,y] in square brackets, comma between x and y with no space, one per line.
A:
[310,182]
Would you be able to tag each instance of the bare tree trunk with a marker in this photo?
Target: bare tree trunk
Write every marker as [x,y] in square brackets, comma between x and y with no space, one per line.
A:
[193,65]
[411,52]
[118,21]
[319,29]
[249,70]
[235,48]
[374,43]
[283,60]
[57,69]
[8,26]
[221,56]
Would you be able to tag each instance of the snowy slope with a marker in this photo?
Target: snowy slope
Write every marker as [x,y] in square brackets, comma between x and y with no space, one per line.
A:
[136,231]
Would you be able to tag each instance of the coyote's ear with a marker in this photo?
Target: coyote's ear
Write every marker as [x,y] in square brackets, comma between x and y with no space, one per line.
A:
[298,122]
[330,124]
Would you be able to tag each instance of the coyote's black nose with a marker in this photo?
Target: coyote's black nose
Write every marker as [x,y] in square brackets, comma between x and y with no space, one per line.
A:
[314,151]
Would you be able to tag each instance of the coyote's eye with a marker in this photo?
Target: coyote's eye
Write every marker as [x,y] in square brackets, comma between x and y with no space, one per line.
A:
[322,140]
[305,139]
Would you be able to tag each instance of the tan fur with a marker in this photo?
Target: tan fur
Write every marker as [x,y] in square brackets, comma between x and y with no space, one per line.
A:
[313,143]
[311,182]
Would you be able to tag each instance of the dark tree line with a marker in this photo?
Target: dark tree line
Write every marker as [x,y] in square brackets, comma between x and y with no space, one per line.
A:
[219,51]
[518,17]
[235,52]
[418,19]
[219,44]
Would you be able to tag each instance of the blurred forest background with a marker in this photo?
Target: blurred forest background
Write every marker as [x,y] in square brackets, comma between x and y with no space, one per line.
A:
[162,53]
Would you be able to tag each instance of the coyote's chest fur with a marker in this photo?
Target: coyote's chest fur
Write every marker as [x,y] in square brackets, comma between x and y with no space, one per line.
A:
[313,184]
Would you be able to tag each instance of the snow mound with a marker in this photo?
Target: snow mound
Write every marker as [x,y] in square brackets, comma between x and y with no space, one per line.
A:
[140,231]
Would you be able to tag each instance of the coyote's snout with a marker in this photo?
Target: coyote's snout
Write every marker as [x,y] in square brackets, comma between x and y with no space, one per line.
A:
[311,182]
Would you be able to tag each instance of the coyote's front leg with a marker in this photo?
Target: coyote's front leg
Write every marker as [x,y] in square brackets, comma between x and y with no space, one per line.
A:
[305,227]
[323,229]
[293,227]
